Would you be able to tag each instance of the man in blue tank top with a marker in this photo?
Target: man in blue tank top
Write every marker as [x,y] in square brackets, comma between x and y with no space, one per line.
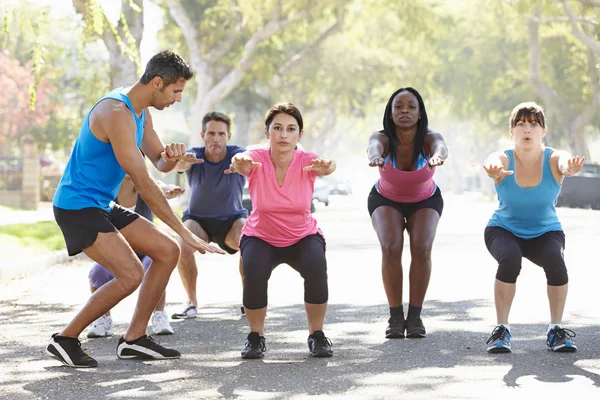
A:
[215,212]
[106,149]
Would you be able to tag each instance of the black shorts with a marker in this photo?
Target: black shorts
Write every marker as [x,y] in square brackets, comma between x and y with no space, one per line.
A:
[435,202]
[80,228]
[216,229]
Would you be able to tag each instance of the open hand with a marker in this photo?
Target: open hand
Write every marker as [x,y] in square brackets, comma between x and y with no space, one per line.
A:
[574,166]
[200,244]
[172,191]
[318,165]
[496,171]
[377,161]
[190,158]
[435,161]
[242,165]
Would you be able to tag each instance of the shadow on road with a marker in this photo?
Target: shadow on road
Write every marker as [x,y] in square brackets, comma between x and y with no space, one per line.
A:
[365,363]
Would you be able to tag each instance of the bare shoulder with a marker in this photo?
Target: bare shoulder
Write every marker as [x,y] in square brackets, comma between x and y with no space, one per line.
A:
[498,155]
[379,135]
[110,112]
[433,136]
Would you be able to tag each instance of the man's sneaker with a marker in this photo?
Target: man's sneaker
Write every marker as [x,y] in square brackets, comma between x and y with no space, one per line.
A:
[68,351]
[559,340]
[160,323]
[101,327]
[144,348]
[499,342]
[319,345]
[255,346]
[189,312]
[415,328]
[396,327]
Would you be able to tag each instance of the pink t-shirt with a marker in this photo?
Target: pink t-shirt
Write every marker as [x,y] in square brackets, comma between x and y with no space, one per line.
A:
[281,215]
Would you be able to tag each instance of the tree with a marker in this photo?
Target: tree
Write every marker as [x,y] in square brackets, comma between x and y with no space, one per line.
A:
[222,39]
[122,41]
[16,117]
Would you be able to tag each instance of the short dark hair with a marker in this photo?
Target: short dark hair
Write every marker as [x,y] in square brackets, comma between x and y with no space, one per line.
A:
[389,128]
[169,66]
[529,111]
[284,108]
[216,116]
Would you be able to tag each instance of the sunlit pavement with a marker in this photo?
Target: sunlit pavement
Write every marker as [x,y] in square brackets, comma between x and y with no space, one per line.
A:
[451,363]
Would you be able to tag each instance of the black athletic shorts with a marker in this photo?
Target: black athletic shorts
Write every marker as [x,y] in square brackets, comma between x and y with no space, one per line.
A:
[81,227]
[435,202]
[216,229]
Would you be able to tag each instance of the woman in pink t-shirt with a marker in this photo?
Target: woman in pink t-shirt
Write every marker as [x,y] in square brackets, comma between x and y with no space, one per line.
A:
[281,228]
[406,197]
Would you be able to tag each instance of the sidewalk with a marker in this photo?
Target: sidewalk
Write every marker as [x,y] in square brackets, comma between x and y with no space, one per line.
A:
[11,216]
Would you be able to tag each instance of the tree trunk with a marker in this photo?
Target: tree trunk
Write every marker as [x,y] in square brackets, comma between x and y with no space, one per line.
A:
[123,59]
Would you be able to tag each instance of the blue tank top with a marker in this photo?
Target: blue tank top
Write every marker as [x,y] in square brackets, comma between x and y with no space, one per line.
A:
[93,176]
[215,194]
[527,213]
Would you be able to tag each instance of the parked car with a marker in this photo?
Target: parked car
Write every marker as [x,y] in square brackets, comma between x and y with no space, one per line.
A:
[343,188]
[322,190]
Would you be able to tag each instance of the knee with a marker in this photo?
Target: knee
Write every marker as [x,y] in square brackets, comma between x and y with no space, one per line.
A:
[556,272]
[509,269]
[131,280]
[421,251]
[169,253]
[391,251]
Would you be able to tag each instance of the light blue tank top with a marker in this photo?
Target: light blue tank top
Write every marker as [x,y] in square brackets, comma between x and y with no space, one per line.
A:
[527,213]
[93,176]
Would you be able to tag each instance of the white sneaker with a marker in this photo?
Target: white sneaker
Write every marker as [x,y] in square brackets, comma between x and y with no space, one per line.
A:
[160,323]
[101,327]
[189,312]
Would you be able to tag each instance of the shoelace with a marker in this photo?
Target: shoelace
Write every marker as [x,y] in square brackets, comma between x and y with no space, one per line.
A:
[560,334]
[160,318]
[257,344]
[499,332]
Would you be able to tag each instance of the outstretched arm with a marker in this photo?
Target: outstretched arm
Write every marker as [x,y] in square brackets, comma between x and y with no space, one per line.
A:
[569,165]
[436,149]
[378,149]
[164,158]
[496,165]
[321,166]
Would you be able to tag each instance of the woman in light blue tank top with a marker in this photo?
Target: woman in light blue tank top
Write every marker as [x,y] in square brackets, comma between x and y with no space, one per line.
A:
[528,179]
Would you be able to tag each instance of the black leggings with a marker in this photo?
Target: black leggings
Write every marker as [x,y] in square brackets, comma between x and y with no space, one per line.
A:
[306,256]
[546,250]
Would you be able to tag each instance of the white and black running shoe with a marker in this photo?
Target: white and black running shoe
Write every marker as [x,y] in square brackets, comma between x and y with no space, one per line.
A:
[68,351]
[144,348]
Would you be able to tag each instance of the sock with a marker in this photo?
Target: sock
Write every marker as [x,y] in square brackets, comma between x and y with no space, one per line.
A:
[397,312]
[414,312]
[552,326]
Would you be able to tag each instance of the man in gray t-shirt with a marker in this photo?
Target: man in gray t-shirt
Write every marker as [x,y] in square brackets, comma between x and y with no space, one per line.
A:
[215,212]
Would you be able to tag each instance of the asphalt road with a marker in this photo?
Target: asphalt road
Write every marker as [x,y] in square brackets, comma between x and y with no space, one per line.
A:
[451,363]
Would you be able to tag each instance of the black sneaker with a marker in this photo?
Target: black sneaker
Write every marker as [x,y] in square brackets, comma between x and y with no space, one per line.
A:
[255,346]
[68,351]
[395,329]
[144,348]
[415,328]
[319,345]
[560,340]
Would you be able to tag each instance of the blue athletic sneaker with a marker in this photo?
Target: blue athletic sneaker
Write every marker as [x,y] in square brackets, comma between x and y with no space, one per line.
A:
[499,342]
[559,340]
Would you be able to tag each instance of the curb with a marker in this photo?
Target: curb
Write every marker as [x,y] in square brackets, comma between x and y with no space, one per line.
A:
[35,264]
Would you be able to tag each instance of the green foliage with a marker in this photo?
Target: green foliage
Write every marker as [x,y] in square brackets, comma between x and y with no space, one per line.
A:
[45,234]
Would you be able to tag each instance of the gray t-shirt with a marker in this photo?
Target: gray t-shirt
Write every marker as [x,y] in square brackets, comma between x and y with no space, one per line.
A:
[215,194]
